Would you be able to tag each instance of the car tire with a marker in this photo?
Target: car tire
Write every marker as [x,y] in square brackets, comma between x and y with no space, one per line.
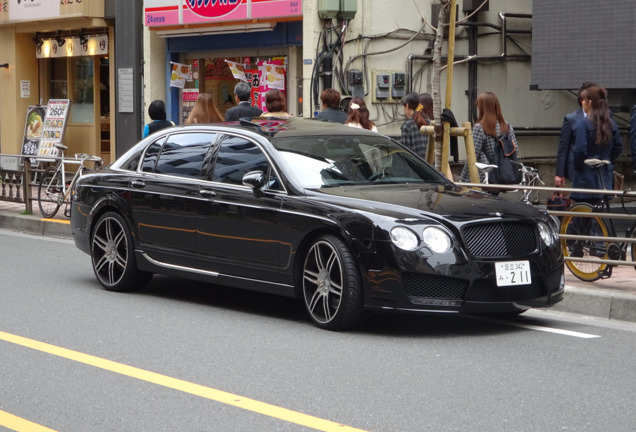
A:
[331,284]
[113,255]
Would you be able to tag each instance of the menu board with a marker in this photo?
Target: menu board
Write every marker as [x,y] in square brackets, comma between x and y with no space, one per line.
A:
[54,125]
[33,127]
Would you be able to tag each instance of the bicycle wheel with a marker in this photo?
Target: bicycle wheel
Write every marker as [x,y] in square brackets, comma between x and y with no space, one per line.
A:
[590,249]
[50,192]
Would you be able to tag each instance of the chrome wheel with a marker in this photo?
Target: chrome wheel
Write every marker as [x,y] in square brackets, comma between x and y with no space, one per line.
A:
[113,256]
[331,284]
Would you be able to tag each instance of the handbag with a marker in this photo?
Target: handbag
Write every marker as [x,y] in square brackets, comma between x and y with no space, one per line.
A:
[559,201]
[619,180]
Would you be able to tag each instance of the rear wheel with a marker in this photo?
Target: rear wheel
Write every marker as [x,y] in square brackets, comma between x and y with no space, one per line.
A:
[50,192]
[590,249]
[331,284]
[113,255]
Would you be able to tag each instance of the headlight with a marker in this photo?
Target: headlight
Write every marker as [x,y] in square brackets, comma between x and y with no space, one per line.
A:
[436,239]
[404,238]
[547,234]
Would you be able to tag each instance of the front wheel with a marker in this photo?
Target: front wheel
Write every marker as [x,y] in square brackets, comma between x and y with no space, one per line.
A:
[593,250]
[113,255]
[50,192]
[331,284]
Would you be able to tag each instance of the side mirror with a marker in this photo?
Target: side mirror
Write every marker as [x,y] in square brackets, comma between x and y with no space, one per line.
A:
[255,180]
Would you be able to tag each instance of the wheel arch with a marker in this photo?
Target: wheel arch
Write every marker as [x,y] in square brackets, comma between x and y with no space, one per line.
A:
[112,203]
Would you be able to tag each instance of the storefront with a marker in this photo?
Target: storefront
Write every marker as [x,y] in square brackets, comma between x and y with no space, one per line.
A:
[198,42]
[57,50]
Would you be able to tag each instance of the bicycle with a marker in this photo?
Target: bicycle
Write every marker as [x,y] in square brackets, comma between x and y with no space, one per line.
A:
[596,236]
[54,189]
[530,177]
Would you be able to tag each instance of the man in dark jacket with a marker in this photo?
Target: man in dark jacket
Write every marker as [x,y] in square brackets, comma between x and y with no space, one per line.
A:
[242,91]
[565,155]
[331,111]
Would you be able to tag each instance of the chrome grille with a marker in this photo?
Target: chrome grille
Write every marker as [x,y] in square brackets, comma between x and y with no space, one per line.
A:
[500,239]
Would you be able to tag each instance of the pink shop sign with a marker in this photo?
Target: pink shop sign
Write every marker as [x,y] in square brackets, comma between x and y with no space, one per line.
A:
[160,13]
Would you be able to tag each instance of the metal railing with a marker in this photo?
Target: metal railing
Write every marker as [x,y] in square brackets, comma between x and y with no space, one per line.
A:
[19,178]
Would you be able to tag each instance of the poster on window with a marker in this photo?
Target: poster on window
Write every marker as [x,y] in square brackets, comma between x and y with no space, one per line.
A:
[274,75]
[188,99]
[237,69]
[253,77]
[54,126]
[33,127]
[180,74]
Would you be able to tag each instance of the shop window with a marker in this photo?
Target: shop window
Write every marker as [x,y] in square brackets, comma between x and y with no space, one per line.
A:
[59,78]
[82,97]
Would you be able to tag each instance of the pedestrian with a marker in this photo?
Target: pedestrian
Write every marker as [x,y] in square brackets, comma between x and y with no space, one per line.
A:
[157,113]
[490,124]
[359,115]
[415,119]
[242,92]
[427,102]
[565,154]
[330,101]
[597,137]
[275,104]
[204,111]
[632,135]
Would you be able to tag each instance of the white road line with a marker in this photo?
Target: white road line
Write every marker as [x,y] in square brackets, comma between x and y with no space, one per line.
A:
[537,328]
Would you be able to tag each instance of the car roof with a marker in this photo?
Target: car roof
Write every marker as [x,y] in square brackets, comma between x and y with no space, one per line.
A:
[292,126]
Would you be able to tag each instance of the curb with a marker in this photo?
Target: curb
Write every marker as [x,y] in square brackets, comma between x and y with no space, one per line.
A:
[603,303]
[59,228]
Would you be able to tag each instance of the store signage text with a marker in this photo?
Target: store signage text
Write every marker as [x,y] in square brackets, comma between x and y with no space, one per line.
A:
[212,8]
[159,13]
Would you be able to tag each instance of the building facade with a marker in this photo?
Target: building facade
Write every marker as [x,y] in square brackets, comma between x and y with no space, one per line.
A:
[57,50]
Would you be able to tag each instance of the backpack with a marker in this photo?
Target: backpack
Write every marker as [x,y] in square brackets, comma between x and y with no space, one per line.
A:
[507,171]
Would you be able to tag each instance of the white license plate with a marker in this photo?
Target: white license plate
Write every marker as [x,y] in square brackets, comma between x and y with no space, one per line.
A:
[513,273]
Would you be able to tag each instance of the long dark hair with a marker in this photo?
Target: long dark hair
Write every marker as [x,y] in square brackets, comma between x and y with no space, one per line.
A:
[490,114]
[359,113]
[413,101]
[599,113]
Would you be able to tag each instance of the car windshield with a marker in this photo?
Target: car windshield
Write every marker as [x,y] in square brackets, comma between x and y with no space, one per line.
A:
[319,162]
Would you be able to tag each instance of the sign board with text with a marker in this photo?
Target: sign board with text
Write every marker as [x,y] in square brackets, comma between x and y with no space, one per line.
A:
[161,13]
[54,126]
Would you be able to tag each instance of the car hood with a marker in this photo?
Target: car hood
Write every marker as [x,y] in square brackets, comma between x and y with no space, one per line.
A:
[409,201]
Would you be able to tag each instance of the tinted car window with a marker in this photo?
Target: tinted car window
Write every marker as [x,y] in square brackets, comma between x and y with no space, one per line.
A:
[238,156]
[150,157]
[183,154]
[324,161]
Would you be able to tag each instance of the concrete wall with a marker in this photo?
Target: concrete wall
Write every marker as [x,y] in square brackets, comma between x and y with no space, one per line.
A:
[509,78]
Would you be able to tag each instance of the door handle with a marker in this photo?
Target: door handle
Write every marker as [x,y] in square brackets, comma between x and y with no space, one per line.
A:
[138,184]
[207,193]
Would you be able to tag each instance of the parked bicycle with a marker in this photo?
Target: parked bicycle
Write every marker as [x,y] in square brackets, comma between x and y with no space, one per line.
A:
[530,177]
[54,189]
[597,239]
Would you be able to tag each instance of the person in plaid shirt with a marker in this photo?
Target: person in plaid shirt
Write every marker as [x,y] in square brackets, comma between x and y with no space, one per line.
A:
[415,118]
[489,126]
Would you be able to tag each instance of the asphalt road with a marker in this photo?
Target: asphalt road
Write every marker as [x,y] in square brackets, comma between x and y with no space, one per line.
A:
[186,356]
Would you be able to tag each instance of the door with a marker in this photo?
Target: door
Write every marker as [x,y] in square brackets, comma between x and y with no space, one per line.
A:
[165,195]
[238,232]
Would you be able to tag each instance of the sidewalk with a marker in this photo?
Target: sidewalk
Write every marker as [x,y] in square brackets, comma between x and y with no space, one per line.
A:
[613,298]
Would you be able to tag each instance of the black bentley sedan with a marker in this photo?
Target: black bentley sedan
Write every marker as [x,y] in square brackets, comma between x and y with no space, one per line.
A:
[345,219]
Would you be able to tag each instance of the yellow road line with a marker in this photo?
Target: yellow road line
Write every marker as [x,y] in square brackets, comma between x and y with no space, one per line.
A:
[19,424]
[61,221]
[183,386]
